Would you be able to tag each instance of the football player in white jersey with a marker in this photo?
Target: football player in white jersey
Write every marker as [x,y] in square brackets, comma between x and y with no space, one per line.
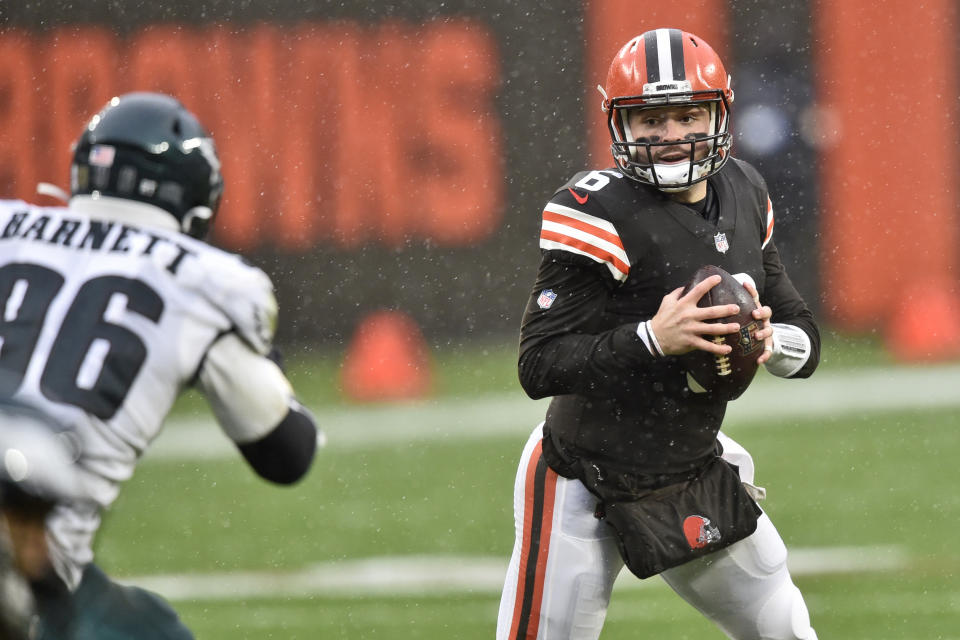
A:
[113,305]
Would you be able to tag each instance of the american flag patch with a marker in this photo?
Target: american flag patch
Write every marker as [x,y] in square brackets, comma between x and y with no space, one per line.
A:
[101,155]
[547,296]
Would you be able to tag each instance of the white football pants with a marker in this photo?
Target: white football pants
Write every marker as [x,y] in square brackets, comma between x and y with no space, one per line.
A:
[565,561]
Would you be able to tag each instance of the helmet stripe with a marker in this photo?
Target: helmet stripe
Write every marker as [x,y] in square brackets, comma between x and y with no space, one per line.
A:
[651,56]
[669,57]
[676,54]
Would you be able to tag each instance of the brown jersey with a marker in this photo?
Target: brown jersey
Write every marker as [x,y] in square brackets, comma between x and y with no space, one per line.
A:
[611,250]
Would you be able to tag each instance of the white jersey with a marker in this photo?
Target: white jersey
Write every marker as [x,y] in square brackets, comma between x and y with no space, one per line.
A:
[108,313]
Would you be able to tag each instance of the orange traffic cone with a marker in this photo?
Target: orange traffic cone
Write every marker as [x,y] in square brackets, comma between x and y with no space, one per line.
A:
[387,359]
[925,326]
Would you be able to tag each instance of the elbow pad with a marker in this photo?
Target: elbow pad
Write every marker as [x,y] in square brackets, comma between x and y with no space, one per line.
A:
[791,350]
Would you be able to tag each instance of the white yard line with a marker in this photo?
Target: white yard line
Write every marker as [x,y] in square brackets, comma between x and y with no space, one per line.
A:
[364,427]
[827,394]
[441,575]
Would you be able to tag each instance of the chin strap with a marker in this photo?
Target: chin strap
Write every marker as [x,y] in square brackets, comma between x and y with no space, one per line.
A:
[52,190]
[791,350]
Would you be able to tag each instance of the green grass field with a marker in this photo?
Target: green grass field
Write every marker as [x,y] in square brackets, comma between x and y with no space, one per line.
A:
[874,479]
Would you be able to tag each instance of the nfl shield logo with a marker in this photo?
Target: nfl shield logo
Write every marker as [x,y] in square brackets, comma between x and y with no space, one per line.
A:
[720,240]
[547,296]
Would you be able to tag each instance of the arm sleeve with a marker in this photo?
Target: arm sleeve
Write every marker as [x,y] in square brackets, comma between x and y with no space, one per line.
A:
[789,308]
[561,351]
[255,406]
[284,455]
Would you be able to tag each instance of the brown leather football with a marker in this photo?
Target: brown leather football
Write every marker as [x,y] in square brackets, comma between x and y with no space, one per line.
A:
[726,377]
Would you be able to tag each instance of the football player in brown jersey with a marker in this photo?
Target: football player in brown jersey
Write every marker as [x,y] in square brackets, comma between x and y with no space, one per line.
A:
[629,466]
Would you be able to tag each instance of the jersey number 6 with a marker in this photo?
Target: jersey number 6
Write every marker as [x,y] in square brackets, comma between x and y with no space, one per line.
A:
[85,336]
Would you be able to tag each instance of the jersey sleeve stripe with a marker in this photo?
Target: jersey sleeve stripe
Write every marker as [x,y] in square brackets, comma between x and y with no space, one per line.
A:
[552,240]
[592,224]
[559,220]
[571,230]
[769,233]
[614,249]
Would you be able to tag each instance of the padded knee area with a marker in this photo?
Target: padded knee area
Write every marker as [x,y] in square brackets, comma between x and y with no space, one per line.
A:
[785,617]
[746,589]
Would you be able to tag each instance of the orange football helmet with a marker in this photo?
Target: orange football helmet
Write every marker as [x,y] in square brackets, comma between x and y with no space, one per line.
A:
[667,67]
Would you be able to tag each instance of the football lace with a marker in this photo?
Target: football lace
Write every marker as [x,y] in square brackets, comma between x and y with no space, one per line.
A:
[723,362]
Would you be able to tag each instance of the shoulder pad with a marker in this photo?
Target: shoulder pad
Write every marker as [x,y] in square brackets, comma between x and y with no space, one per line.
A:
[593,181]
[242,292]
[749,172]
[576,221]
[757,181]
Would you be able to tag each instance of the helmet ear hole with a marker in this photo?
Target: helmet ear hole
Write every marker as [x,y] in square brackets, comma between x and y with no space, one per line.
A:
[196,221]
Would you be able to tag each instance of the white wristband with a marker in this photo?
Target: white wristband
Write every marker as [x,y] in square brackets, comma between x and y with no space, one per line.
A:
[645,331]
[791,350]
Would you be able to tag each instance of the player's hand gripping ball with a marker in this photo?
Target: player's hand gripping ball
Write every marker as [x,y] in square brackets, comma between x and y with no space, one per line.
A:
[727,376]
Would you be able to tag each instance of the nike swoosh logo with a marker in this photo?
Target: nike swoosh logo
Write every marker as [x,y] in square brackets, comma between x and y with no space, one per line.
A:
[576,197]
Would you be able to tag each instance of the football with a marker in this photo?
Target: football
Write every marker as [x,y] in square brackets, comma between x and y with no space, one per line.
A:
[726,376]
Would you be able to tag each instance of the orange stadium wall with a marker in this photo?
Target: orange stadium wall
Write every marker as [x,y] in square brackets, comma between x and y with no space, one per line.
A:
[388,156]
[377,155]
[311,125]
[887,79]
